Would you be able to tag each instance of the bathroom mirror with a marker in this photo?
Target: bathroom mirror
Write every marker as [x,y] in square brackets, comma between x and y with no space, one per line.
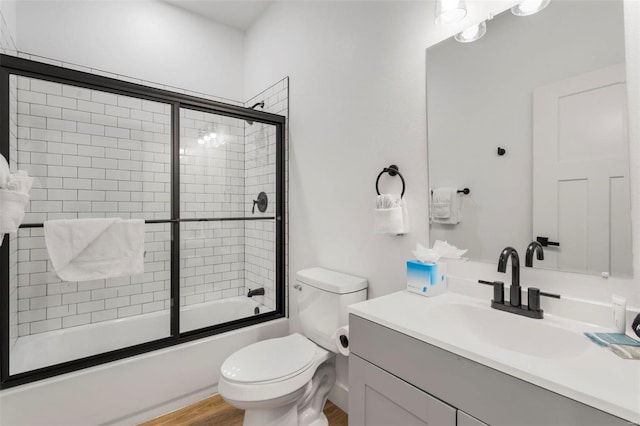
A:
[532,118]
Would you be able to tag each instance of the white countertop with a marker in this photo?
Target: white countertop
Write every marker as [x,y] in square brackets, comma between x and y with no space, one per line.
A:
[589,373]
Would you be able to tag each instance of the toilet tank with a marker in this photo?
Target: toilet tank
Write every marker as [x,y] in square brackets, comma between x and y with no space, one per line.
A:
[323,296]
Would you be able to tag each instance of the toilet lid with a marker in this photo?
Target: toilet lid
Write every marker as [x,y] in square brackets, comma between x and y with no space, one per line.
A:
[270,359]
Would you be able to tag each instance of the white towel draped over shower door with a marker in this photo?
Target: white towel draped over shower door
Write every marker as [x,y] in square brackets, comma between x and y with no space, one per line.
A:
[91,249]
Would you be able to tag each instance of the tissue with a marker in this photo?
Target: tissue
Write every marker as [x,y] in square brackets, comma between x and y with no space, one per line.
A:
[428,275]
[425,254]
[441,249]
[448,251]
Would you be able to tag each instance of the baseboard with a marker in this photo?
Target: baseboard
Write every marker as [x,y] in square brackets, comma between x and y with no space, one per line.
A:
[339,395]
[166,408]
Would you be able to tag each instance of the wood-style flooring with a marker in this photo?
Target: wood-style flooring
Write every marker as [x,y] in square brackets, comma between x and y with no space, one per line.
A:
[215,411]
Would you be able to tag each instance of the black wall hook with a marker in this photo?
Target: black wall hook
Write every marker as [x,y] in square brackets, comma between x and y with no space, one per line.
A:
[393,170]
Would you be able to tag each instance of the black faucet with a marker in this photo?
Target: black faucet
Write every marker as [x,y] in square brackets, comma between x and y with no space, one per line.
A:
[256,292]
[533,247]
[514,291]
[515,306]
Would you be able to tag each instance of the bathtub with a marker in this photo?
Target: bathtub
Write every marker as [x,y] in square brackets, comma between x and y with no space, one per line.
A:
[135,389]
[53,347]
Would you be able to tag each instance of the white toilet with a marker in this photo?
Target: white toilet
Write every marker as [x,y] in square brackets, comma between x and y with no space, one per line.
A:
[286,381]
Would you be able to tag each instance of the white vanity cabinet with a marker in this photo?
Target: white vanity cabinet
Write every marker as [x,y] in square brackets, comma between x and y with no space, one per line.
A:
[395,379]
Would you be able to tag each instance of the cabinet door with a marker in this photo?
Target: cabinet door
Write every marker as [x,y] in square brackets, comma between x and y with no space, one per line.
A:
[466,420]
[377,398]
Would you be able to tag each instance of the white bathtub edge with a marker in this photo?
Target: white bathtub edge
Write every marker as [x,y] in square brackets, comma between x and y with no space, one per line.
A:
[133,389]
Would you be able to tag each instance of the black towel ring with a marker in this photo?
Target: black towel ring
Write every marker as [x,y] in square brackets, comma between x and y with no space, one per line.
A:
[392,170]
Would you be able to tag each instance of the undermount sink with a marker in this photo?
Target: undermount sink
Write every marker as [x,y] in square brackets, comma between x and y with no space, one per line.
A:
[507,331]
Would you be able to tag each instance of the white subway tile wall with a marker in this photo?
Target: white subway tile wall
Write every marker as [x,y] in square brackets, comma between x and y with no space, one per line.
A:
[7,42]
[260,168]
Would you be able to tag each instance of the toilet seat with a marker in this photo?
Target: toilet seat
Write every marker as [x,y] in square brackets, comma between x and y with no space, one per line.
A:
[270,360]
[302,355]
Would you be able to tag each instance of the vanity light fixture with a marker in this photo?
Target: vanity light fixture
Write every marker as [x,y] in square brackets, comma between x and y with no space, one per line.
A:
[472,33]
[529,7]
[450,11]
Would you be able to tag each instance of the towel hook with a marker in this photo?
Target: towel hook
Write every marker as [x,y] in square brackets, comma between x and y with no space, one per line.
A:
[392,170]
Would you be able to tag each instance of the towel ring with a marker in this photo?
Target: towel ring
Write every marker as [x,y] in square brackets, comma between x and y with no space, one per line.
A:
[392,170]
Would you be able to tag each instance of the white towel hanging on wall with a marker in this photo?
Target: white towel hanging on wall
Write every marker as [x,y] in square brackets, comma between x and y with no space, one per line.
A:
[391,215]
[14,197]
[445,206]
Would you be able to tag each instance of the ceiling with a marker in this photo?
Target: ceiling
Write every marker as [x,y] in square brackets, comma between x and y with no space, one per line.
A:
[240,14]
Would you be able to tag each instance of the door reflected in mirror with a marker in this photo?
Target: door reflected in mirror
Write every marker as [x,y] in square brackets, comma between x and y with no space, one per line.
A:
[550,90]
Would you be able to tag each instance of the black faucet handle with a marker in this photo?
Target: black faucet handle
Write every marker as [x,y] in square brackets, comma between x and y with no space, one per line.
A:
[551,295]
[544,241]
[498,291]
[533,296]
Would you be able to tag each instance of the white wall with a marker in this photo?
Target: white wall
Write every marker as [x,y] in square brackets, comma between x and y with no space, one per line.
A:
[632,34]
[358,104]
[8,24]
[148,40]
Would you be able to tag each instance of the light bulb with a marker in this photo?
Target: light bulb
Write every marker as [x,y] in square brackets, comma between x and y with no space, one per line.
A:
[213,135]
[450,11]
[529,7]
[472,33]
[201,141]
[206,138]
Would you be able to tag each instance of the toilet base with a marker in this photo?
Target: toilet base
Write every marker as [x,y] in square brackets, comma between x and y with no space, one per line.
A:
[285,415]
[304,410]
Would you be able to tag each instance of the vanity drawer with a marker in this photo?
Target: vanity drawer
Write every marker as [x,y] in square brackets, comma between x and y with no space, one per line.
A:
[488,395]
[377,398]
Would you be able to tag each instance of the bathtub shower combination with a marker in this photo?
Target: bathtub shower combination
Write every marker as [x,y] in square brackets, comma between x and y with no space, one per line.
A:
[206,176]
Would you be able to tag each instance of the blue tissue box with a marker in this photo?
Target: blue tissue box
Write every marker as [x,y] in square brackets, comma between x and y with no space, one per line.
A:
[427,279]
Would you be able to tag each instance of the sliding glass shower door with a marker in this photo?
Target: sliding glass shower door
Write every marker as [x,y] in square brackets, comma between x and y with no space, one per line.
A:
[92,154]
[206,177]
[227,242]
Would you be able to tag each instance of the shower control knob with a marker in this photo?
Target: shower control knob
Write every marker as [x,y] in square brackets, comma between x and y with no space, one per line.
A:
[261,202]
